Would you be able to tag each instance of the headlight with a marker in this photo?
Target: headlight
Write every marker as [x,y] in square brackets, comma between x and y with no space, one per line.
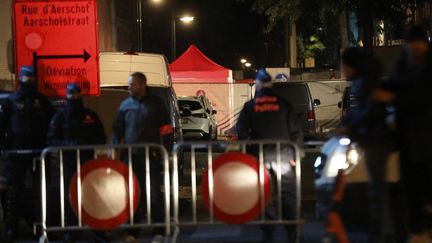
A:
[345,141]
[337,162]
[345,157]
[317,163]
[352,156]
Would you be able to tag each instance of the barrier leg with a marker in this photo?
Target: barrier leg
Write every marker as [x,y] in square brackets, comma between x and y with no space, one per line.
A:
[298,193]
[175,235]
[43,238]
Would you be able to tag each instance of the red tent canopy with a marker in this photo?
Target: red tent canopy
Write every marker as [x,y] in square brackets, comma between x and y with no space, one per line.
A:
[195,67]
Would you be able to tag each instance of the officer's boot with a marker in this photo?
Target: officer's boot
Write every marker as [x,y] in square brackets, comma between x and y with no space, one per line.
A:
[10,206]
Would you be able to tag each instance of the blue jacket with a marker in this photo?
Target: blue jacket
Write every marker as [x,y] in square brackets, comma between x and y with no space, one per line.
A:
[140,121]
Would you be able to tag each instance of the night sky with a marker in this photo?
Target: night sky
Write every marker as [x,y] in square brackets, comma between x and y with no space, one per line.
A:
[225,30]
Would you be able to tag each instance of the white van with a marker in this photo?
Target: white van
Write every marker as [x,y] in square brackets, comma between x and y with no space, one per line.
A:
[115,67]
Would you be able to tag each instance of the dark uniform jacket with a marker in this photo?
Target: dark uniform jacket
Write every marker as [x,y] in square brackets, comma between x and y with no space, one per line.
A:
[140,121]
[25,120]
[76,127]
[268,116]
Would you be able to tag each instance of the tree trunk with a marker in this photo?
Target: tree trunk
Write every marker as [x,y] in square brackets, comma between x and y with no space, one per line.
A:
[290,36]
[366,22]
[343,30]
[293,44]
[430,16]
[114,31]
[287,42]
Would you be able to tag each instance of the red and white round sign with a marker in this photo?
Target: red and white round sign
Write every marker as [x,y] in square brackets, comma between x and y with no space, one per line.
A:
[104,193]
[236,196]
[200,93]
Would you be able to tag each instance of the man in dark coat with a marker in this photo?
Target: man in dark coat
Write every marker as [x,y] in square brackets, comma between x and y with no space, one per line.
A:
[143,118]
[366,124]
[411,81]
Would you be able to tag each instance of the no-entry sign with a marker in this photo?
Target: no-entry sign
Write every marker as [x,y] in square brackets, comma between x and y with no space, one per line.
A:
[105,193]
[236,193]
[60,39]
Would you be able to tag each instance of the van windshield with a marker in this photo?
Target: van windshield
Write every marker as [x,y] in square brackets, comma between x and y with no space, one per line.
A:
[296,94]
[194,105]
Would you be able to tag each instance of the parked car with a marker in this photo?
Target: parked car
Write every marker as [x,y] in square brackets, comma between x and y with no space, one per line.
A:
[198,117]
[339,153]
[348,102]
[299,95]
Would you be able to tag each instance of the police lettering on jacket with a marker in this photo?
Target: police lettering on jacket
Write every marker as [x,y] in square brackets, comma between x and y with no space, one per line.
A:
[268,116]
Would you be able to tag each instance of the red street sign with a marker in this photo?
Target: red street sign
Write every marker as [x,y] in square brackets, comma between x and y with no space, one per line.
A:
[60,39]
[104,193]
[236,196]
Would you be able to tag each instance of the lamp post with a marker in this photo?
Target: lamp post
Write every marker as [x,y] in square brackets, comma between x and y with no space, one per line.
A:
[139,21]
[187,19]
[139,25]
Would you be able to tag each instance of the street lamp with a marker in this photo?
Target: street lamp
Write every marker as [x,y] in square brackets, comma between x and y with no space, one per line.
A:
[248,65]
[243,61]
[185,19]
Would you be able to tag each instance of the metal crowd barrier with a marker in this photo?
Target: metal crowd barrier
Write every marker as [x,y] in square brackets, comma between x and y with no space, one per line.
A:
[106,151]
[212,149]
[21,152]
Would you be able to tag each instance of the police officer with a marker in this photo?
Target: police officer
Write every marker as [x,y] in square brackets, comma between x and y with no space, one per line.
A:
[24,117]
[75,125]
[143,118]
[268,116]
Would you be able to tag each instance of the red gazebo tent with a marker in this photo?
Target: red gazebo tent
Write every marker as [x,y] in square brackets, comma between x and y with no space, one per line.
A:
[195,67]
